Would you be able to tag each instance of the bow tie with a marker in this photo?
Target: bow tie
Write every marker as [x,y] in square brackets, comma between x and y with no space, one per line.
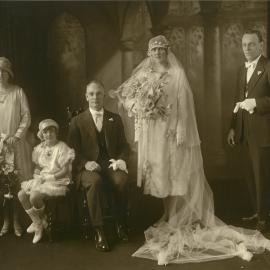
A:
[98,114]
[248,65]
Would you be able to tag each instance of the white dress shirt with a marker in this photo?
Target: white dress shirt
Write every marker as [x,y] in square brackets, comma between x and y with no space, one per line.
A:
[118,164]
[251,67]
[98,118]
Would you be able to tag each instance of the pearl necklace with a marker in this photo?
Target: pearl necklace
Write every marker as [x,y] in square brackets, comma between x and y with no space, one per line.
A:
[49,149]
[48,152]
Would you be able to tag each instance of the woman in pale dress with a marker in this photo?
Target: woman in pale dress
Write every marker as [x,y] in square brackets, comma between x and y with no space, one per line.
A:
[14,122]
[170,166]
[52,175]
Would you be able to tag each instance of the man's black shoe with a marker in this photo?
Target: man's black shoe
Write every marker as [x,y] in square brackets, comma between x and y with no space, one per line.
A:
[121,232]
[101,241]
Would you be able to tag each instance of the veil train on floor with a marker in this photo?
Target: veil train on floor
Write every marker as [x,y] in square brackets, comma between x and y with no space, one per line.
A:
[193,233]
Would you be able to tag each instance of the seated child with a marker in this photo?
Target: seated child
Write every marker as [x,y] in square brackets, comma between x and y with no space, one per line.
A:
[51,177]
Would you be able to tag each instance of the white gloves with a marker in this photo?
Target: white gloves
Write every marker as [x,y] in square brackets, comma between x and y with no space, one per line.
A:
[249,104]
[118,164]
[12,140]
[114,164]
[92,166]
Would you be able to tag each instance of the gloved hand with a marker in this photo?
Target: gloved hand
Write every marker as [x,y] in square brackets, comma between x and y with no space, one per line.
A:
[12,140]
[249,104]
[92,166]
[118,164]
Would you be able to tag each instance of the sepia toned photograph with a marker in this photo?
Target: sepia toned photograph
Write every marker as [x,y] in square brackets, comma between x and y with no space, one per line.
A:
[134,135]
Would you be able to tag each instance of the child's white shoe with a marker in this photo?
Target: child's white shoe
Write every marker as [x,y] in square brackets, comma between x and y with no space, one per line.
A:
[38,233]
[31,228]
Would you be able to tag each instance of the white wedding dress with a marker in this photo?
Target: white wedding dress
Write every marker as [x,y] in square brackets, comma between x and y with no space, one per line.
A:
[170,164]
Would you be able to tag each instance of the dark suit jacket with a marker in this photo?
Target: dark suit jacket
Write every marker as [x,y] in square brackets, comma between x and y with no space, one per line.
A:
[82,137]
[256,125]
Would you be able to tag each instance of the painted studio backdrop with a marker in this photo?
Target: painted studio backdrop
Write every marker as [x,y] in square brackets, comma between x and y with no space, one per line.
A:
[56,48]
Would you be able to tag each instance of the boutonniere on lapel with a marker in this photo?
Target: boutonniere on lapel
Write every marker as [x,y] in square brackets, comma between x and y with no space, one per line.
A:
[259,72]
[111,119]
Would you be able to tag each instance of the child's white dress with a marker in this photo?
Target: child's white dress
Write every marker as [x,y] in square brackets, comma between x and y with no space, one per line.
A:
[50,160]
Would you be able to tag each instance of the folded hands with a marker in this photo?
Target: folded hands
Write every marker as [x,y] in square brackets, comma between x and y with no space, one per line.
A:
[118,164]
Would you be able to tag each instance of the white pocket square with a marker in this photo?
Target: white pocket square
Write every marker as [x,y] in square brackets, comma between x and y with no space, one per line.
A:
[259,72]
[111,119]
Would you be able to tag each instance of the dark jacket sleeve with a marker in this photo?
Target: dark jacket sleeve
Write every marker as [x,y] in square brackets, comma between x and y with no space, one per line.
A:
[74,141]
[236,99]
[263,103]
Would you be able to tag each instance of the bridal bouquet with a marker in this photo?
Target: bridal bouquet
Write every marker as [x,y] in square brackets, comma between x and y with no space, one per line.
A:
[144,97]
[9,179]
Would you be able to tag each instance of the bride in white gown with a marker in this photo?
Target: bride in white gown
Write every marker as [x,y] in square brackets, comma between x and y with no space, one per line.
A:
[170,167]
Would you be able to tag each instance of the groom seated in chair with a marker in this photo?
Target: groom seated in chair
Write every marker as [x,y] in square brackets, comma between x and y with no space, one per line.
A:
[98,137]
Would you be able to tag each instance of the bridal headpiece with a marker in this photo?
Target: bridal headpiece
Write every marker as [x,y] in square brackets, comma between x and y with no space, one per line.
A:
[158,41]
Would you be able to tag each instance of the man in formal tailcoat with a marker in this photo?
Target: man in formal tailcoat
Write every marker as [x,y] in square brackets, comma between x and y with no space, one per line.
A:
[250,123]
[98,137]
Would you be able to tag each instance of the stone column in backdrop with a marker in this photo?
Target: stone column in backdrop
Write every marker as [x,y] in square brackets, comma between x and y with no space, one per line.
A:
[134,41]
[127,66]
[213,144]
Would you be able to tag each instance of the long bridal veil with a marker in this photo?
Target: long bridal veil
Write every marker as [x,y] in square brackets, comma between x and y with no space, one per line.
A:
[193,233]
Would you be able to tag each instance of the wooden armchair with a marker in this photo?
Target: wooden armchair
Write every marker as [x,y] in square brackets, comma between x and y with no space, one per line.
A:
[55,207]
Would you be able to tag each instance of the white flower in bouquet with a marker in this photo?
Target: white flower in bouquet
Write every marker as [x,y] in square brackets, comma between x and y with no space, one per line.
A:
[145,98]
[8,168]
[8,174]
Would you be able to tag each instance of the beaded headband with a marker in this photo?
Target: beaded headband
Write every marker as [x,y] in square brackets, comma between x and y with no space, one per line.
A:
[158,41]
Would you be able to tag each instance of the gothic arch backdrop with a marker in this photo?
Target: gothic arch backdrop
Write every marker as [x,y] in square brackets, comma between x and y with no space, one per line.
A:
[56,47]
[67,61]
